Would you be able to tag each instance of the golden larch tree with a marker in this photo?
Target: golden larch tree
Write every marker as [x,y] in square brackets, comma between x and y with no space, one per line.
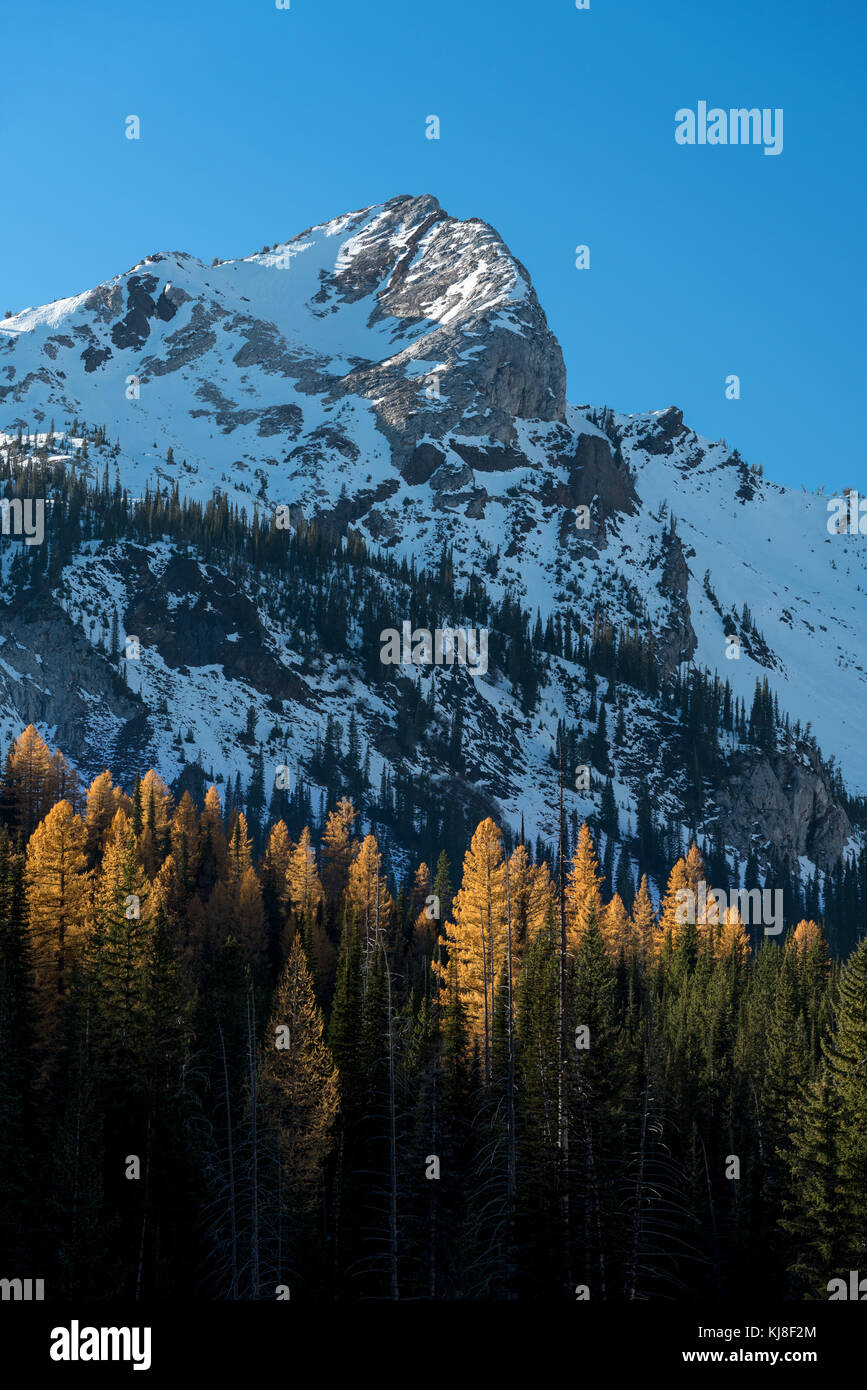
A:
[303,883]
[583,889]
[184,838]
[58,901]
[212,842]
[805,937]
[28,768]
[239,857]
[616,927]
[63,782]
[673,908]
[645,934]
[732,941]
[275,865]
[425,925]
[102,802]
[157,810]
[250,917]
[531,894]
[476,938]
[338,848]
[367,893]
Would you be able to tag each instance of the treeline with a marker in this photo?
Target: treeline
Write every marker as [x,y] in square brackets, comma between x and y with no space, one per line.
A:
[236,1075]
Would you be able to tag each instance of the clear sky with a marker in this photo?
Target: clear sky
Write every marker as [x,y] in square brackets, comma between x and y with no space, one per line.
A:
[557,126]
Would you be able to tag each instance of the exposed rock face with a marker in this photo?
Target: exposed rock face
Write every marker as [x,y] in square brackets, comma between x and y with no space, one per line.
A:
[787,805]
[667,428]
[676,639]
[61,681]
[473,318]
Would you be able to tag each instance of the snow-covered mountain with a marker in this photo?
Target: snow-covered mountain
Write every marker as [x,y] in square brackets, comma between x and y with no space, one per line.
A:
[392,371]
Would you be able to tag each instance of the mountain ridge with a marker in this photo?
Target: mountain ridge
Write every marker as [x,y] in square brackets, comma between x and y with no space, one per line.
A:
[390,374]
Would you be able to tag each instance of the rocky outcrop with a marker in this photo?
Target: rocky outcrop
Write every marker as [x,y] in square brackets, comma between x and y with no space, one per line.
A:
[781,802]
[52,676]
[676,641]
[471,313]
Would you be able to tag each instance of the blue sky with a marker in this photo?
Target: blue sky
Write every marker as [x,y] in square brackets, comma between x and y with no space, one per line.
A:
[557,126]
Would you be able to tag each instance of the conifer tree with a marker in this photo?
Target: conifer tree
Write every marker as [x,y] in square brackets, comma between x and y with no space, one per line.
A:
[538,1159]
[672,909]
[531,895]
[367,893]
[184,840]
[18,1059]
[476,938]
[212,838]
[845,1059]
[786,1076]
[102,804]
[814,1218]
[57,885]
[338,848]
[298,1086]
[63,782]
[303,883]
[597,1147]
[443,887]
[250,918]
[28,770]
[120,900]
[616,927]
[344,1037]
[583,889]
[644,927]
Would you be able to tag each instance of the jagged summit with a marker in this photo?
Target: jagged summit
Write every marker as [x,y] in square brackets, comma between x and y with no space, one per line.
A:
[426,322]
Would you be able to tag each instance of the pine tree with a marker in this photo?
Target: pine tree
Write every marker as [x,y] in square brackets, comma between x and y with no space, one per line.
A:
[814,1217]
[845,1057]
[18,1060]
[443,887]
[298,1085]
